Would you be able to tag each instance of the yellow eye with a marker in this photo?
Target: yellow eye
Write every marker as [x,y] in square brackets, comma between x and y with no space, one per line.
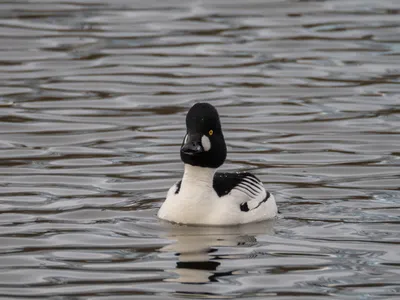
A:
[211,132]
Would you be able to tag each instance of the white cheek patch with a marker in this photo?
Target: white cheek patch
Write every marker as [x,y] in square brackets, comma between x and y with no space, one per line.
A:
[205,142]
[185,139]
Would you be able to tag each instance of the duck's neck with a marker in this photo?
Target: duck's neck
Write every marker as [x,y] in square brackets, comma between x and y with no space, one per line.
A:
[198,175]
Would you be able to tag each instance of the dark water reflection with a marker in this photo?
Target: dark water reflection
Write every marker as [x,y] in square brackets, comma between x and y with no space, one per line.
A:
[198,251]
[92,102]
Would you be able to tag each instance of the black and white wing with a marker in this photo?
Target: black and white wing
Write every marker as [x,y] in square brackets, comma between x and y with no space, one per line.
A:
[245,187]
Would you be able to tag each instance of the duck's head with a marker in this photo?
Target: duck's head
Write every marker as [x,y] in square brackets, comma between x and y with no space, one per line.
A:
[203,144]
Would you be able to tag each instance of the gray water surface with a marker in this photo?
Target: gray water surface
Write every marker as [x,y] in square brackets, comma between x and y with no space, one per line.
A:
[93,96]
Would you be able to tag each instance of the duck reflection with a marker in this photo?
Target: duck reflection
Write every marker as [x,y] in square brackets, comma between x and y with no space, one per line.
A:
[197,248]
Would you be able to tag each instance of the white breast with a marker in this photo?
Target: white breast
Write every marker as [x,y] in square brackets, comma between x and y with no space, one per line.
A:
[192,204]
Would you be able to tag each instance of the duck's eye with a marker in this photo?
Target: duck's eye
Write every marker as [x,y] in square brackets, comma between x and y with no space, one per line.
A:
[211,132]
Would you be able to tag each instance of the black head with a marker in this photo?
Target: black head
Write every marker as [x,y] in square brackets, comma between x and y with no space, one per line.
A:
[204,143]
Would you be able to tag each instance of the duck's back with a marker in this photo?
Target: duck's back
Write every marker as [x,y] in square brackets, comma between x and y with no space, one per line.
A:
[246,196]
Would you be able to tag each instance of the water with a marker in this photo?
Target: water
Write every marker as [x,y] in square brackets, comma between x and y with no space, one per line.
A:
[93,96]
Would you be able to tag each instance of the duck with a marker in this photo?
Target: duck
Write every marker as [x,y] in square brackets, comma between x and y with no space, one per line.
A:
[204,196]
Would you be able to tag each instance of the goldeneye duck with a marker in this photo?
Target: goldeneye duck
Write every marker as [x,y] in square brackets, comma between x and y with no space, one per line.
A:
[207,197]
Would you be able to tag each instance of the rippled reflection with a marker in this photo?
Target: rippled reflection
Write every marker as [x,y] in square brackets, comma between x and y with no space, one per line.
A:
[198,247]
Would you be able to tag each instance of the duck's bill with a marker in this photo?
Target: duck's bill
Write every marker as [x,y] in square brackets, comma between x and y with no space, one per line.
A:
[193,145]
